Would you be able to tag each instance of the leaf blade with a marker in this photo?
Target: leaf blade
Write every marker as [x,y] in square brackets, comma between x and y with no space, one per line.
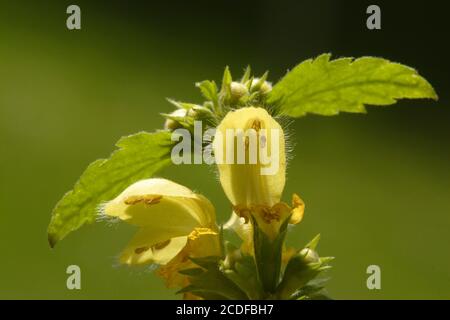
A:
[138,156]
[327,87]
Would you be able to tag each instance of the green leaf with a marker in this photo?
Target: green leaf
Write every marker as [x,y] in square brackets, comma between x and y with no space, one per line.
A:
[244,275]
[300,273]
[208,89]
[297,274]
[325,87]
[313,287]
[139,156]
[212,282]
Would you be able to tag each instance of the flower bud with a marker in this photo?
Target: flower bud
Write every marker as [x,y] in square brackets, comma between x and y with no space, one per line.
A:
[238,90]
[263,86]
[309,255]
[171,123]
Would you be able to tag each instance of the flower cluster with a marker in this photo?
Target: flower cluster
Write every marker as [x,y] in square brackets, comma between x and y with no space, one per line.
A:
[177,228]
[238,129]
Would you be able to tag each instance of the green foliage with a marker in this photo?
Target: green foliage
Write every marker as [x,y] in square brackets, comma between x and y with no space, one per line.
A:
[182,105]
[189,114]
[325,87]
[244,274]
[313,290]
[313,243]
[139,156]
[247,74]
[263,276]
[299,278]
[316,86]
[209,282]
[226,81]
[209,91]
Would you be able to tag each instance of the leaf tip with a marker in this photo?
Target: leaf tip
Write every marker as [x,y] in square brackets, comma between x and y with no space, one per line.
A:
[52,239]
[434,96]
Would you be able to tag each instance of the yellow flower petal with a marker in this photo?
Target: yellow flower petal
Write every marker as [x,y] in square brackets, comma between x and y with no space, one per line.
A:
[162,202]
[251,182]
[167,214]
[143,249]
[269,219]
[202,242]
[298,209]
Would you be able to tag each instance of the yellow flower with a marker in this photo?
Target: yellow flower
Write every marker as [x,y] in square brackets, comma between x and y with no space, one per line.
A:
[262,139]
[173,223]
[255,186]
[201,243]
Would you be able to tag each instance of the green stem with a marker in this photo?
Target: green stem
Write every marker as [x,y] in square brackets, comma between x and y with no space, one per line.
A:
[268,257]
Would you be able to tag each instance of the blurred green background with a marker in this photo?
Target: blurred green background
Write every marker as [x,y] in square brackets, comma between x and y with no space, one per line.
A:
[377,186]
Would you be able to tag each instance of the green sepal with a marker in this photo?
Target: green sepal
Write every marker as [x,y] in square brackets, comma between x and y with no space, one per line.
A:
[212,283]
[225,96]
[247,74]
[301,271]
[313,243]
[209,91]
[258,85]
[183,121]
[311,290]
[226,81]
[182,105]
[242,271]
[296,275]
